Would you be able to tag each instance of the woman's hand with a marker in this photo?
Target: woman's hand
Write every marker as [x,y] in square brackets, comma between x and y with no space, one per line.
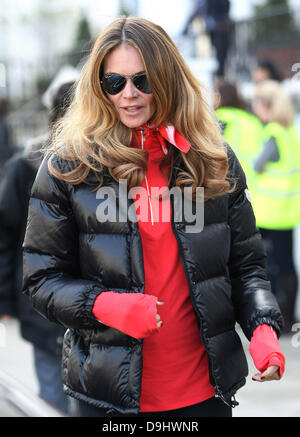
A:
[270,374]
[267,355]
[134,314]
[158,320]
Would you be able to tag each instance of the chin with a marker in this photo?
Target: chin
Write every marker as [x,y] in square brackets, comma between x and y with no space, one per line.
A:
[134,123]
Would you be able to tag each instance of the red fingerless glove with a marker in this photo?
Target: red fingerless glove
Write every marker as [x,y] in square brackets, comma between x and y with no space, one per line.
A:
[265,350]
[133,314]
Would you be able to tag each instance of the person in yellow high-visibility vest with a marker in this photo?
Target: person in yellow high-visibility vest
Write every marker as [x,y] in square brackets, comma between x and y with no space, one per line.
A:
[276,194]
[242,130]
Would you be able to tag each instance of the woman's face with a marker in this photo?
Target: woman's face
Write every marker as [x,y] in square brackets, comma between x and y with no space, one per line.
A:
[260,74]
[261,110]
[133,107]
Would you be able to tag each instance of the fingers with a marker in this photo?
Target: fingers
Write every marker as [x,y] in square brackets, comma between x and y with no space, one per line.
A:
[158,320]
[258,377]
[271,374]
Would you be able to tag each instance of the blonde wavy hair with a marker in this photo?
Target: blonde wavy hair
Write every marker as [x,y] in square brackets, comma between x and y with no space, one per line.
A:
[93,138]
[279,103]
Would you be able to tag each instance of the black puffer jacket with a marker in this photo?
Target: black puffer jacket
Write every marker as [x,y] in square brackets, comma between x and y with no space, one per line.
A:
[70,257]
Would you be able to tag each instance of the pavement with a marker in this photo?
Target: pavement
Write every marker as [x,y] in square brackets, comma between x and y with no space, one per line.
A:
[267,399]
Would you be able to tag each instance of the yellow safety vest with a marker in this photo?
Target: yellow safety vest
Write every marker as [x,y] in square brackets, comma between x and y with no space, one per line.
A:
[244,133]
[276,195]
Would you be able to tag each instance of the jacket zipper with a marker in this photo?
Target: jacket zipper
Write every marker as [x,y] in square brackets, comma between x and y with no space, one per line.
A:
[218,391]
[146,180]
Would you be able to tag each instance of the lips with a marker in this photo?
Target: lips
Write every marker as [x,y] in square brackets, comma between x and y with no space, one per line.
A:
[132,109]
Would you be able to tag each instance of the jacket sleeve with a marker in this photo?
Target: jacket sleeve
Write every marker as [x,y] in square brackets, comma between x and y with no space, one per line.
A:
[254,302]
[51,271]
[11,214]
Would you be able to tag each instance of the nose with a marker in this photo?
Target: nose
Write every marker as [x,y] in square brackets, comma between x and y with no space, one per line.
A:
[130,90]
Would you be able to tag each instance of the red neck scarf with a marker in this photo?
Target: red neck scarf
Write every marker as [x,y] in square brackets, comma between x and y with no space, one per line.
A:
[170,134]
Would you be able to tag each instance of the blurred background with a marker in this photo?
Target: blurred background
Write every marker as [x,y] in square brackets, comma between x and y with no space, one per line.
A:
[40,38]
[45,43]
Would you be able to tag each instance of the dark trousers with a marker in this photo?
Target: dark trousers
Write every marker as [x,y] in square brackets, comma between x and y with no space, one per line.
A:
[48,371]
[221,43]
[281,271]
[212,407]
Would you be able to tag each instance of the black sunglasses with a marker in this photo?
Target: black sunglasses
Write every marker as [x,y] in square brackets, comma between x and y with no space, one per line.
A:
[114,83]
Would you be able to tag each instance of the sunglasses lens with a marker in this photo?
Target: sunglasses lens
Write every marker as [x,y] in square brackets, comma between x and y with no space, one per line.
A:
[114,83]
[141,83]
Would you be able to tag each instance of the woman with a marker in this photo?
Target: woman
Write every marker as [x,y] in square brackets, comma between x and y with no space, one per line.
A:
[276,197]
[150,307]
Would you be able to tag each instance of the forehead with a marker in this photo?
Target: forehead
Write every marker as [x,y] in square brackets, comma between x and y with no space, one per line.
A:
[124,59]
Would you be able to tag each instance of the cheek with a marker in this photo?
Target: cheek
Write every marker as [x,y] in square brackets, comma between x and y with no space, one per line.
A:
[151,103]
[114,100]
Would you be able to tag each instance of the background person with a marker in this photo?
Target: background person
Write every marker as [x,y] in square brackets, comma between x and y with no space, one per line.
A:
[241,129]
[276,197]
[150,308]
[15,188]
[218,25]
[265,69]
[6,143]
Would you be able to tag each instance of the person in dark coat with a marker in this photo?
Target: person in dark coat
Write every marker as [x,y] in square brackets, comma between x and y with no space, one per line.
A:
[149,285]
[15,187]
[218,25]
[6,143]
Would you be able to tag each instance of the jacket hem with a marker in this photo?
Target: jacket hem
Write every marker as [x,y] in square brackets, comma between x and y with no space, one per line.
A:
[228,397]
[111,410]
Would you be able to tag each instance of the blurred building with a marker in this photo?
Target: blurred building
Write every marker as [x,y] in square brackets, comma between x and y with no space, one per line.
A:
[273,32]
[34,35]
[37,39]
